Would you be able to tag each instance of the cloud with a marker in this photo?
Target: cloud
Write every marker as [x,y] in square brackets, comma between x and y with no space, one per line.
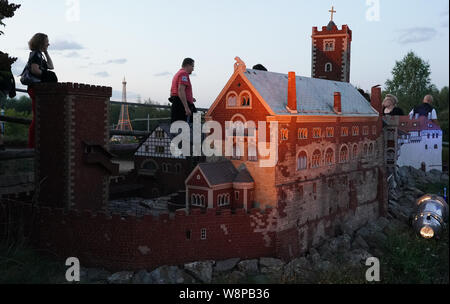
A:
[416,34]
[162,74]
[116,61]
[103,74]
[62,45]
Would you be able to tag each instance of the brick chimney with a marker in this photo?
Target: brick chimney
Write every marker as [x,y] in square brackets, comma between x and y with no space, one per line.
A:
[375,99]
[337,103]
[292,94]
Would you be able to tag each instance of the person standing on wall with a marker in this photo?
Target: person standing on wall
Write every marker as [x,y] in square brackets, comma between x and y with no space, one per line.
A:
[39,67]
[181,95]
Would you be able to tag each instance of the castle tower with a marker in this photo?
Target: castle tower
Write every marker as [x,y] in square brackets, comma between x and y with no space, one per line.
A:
[331,50]
[124,118]
[73,164]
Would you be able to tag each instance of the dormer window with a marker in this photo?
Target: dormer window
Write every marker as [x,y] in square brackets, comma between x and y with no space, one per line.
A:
[328,67]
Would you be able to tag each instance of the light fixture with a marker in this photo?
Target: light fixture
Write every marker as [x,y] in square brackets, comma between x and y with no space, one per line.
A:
[431,216]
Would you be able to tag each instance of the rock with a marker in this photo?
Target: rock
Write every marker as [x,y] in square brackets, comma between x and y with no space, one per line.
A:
[296,266]
[123,277]
[359,243]
[314,256]
[232,278]
[346,228]
[271,265]
[376,239]
[200,270]
[96,275]
[357,257]
[171,275]
[249,267]
[395,226]
[324,265]
[381,223]
[142,277]
[415,192]
[226,265]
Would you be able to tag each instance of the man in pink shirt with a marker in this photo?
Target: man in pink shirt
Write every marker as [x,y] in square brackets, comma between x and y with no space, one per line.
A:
[181,93]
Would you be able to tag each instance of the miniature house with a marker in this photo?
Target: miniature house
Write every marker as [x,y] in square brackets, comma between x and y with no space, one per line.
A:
[159,171]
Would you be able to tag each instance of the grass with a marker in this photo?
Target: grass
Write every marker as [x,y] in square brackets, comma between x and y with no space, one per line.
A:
[410,259]
[20,264]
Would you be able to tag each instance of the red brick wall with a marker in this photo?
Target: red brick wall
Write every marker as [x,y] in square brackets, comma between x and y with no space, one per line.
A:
[66,115]
[148,242]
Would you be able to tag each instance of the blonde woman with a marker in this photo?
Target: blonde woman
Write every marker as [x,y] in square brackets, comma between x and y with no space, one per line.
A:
[390,106]
[39,67]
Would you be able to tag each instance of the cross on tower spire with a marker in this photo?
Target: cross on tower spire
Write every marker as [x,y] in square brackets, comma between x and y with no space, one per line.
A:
[332,11]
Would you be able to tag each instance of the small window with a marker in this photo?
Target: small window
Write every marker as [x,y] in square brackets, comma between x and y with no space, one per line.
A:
[355,131]
[426,147]
[355,151]
[366,130]
[302,133]
[328,67]
[147,147]
[245,99]
[177,168]
[435,147]
[198,177]
[344,131]
[236,195]
[159,149]
[328,45]
[188,234]
[374,130]
[317,132]
[330,132]
[284,134]
[203,234]
[329,157]
[428,136]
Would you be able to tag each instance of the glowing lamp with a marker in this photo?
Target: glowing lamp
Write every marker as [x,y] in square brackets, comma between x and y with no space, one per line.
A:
[431,216]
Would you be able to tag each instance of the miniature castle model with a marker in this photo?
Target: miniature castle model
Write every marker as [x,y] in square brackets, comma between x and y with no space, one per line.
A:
[415,142]
[330,171]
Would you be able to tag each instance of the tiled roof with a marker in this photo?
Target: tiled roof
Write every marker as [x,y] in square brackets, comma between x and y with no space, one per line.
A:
[224,172]
[314,96]
[421,124]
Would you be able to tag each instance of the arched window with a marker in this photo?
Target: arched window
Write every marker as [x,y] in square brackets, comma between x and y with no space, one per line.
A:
[343,155]
[316,157]
[245,99]
[328,67]
[302,161]
[329,157]
[302,133]
[232,99]
[150,165]
[366,149]
[371,149]
[355,151]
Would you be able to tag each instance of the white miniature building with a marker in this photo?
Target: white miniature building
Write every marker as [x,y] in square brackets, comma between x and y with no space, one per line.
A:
[419,143]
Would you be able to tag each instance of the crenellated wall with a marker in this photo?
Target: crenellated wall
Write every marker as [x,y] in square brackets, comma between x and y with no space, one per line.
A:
[116,243]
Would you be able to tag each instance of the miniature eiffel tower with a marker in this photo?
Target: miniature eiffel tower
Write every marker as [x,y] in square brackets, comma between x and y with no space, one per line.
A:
[124,123]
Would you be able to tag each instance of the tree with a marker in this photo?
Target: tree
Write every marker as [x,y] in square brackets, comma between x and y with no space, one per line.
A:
[6,11]
[410,82]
